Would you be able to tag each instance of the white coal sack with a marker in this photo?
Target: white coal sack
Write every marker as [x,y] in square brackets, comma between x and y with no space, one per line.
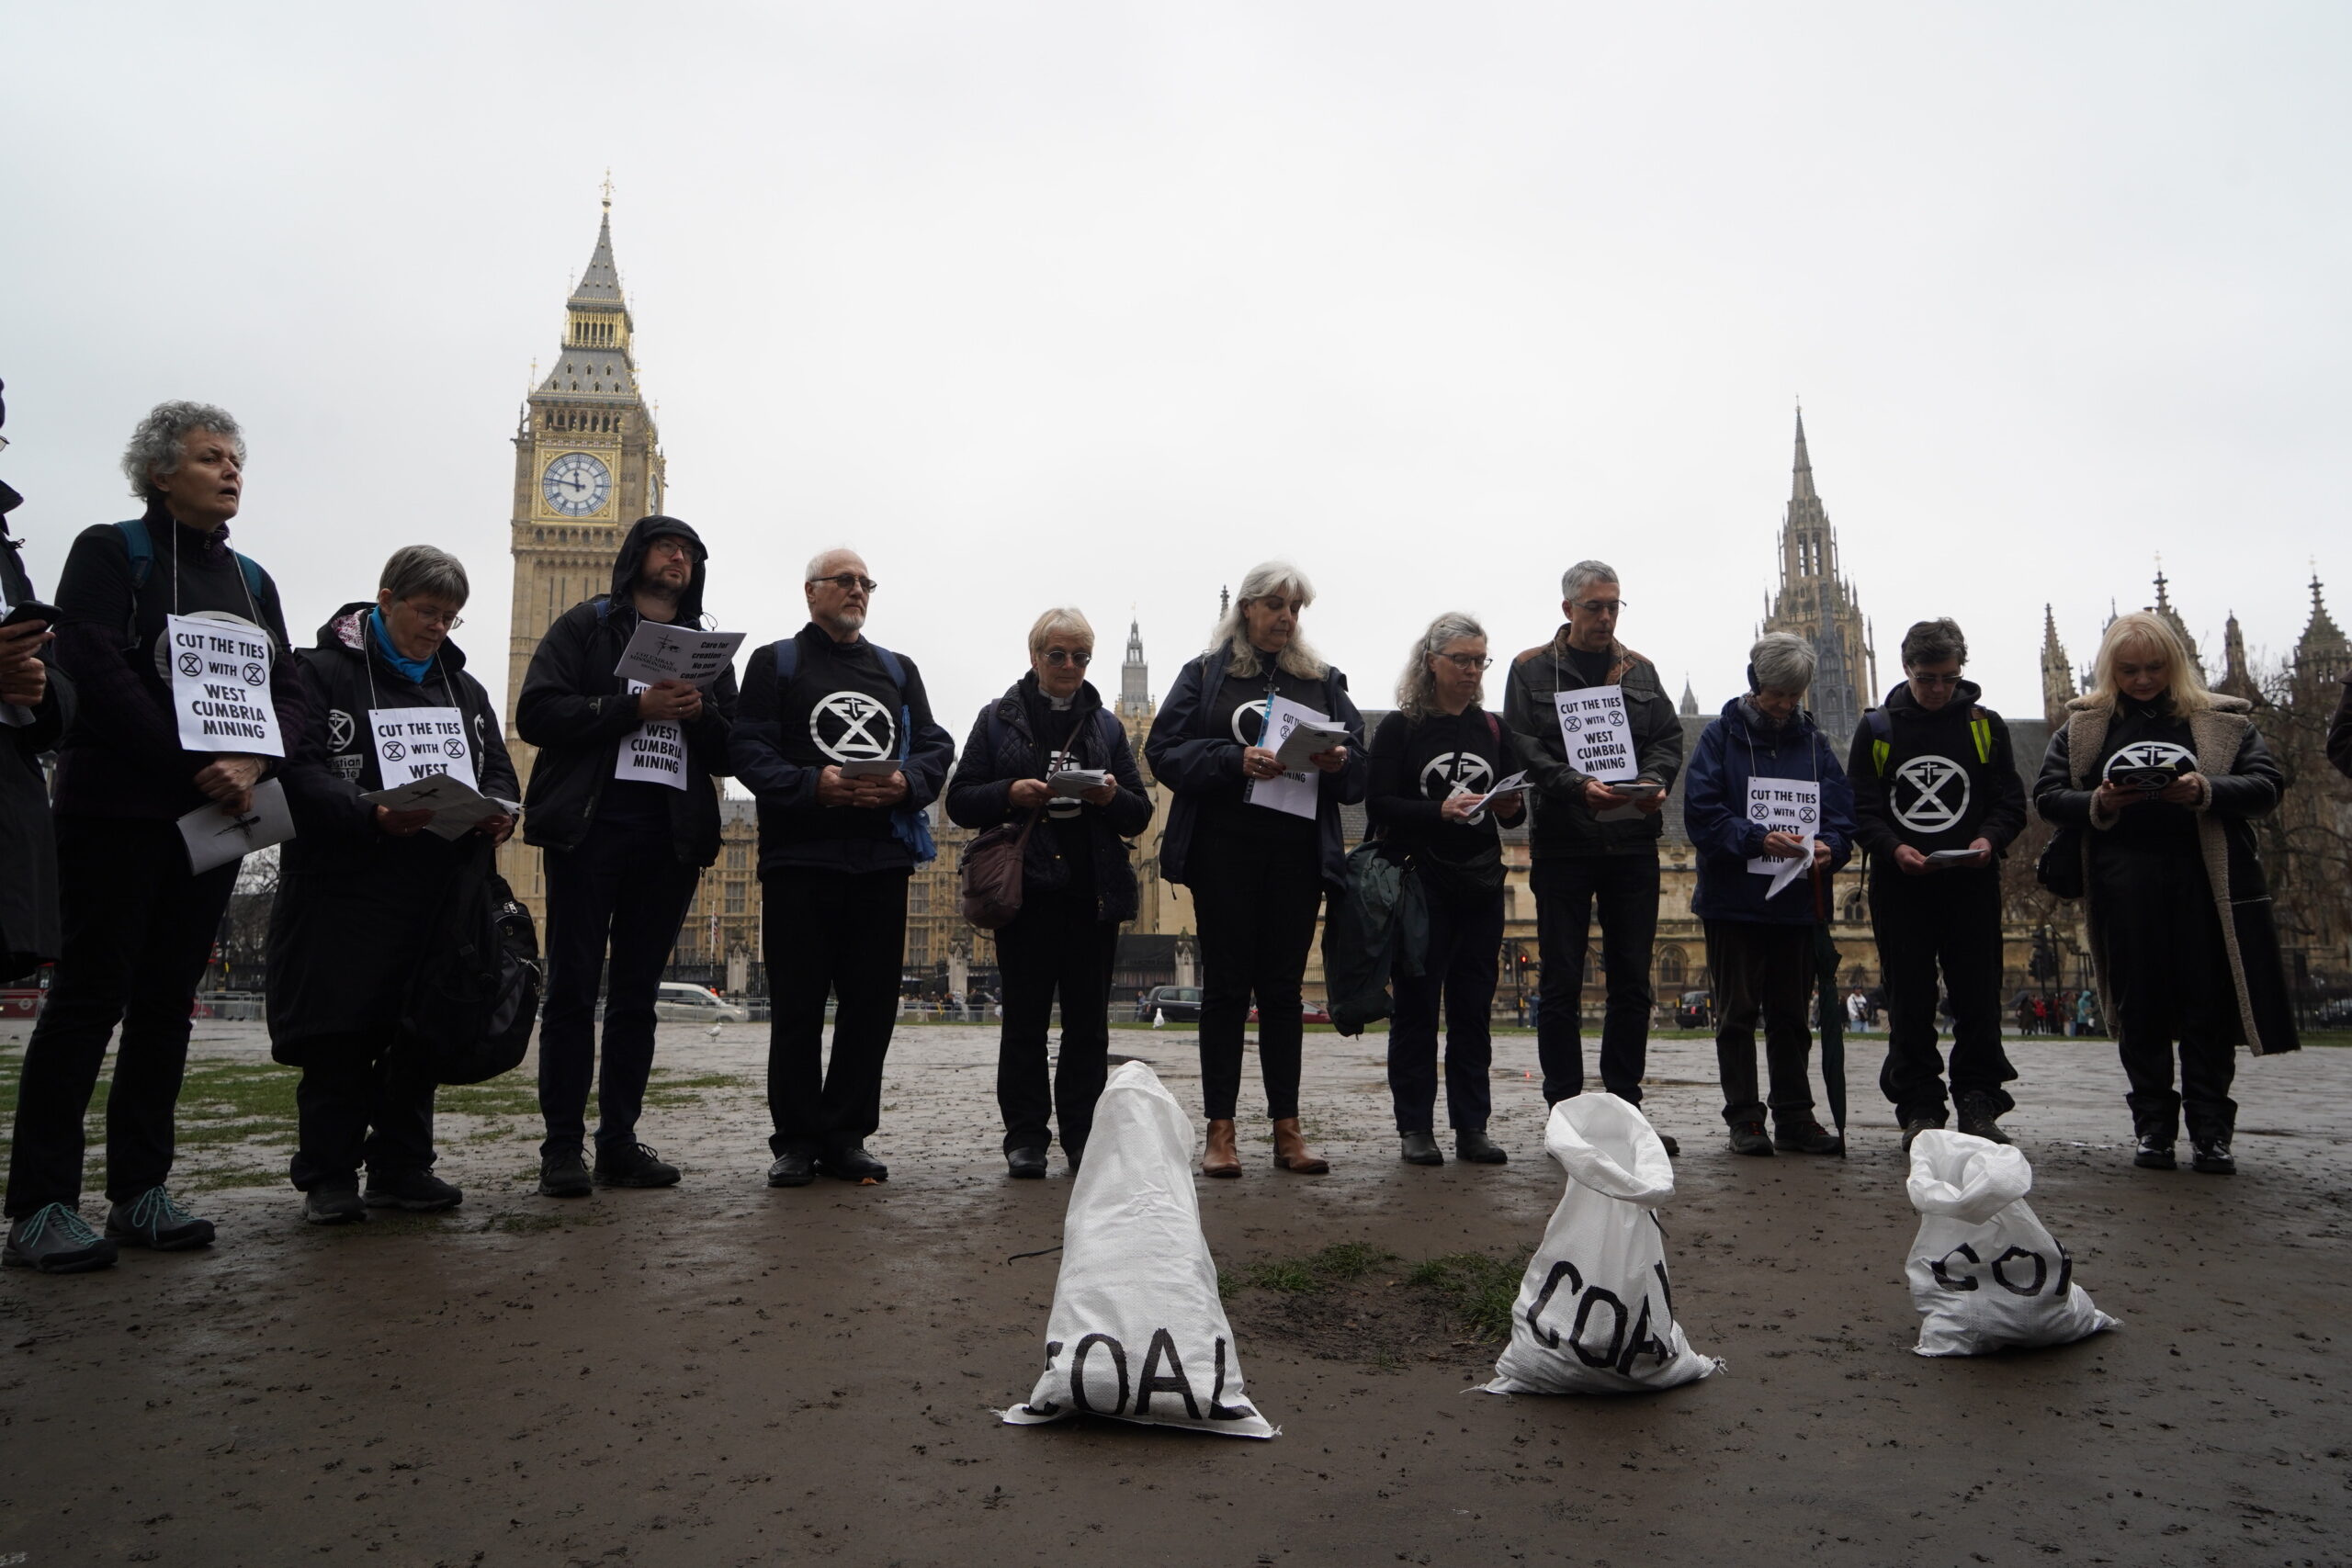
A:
[1986,1274]
[1137,1331]
[1595,1313]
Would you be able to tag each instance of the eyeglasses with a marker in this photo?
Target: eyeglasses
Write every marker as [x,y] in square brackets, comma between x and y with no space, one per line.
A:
[1064,656]
[846,582]
[1950,680]
[1600,606]
[1469,663]
[448,620]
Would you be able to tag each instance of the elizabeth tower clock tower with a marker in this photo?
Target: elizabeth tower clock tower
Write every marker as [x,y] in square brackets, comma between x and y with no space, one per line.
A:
[587,463]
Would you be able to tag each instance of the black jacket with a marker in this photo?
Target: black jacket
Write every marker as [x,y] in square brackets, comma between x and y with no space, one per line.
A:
[1967,790]
[28,933]
[1563,824]
[577,712]
[355,905]
[1002,749]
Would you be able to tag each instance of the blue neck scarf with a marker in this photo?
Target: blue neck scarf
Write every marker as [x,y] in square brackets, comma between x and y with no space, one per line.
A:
[413,669]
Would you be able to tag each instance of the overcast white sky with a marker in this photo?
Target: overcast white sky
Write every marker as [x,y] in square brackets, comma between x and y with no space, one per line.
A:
[1101,303]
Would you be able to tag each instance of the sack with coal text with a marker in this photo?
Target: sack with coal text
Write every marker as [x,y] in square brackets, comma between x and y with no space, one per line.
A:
[1595,1313]
[1136,1330]
[1986,1274]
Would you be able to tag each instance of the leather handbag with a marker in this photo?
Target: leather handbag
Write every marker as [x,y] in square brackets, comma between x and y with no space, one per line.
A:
[989,878]
[2060,869]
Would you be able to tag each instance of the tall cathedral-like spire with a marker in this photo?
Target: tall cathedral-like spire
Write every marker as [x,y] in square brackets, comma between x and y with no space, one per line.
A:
[2057,672]
[2237,679]
[2163,608]
[2322,653]
[1816,603]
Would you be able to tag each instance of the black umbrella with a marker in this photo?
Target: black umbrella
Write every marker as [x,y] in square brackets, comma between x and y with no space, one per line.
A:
[1832,1017]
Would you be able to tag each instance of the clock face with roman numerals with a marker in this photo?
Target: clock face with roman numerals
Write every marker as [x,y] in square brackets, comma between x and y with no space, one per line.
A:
[576,484]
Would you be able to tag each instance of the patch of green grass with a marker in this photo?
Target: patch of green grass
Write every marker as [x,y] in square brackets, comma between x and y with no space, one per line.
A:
[1478,1289]
[510,1095]
[1335,1265]
[667,1092]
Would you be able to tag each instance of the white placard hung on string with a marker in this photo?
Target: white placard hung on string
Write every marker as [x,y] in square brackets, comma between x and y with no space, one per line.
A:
[219,675]
[420,743]
[1784,806]
[654,752]
[1596,732]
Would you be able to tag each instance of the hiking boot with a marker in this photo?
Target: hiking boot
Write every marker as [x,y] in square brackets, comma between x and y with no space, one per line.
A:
[55,1239]
[1805,1137]
[1420,1148]
[632,1165]
[1025,1164]
[334,1204]
[1673,1147]
[1979,1119]
[1748,1138]
[1920,1124]
[850,1162]
[793,1169]
[2212,1156]
[419,1192]
[153,1220]
[2155,1154]
[563,1173]
[1475,1147]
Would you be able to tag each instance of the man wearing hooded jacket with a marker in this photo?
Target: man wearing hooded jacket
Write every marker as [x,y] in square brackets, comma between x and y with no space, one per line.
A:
[1933,776]
[624,851]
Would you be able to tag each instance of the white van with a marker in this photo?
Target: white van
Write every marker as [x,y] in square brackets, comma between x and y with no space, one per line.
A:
[678,1002]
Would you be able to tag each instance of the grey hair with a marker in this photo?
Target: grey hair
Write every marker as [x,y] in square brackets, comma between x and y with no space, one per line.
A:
[1065,619]
[421,568]
[1783,661]
[821,556]
[154,449]
[1932,642]
[1264,581]
[1417,687]
[1582,575]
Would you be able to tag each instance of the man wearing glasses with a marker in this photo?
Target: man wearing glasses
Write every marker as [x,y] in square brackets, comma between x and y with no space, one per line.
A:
[1594,841]
[1937,799]
[837,742]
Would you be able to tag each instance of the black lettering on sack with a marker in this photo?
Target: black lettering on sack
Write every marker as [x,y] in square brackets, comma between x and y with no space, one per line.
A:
[1642,1342]
[1078,1374]
[1592,1298]
[1665,1286]
[1944,1278]
[1163,1344]
[1562,1270]
[1053,1349]
[2065,1268]
[2041,1272]
[1218,1409]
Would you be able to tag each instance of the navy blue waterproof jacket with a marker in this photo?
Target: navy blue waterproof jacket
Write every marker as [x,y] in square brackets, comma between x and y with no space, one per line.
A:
[1188,753]
[1733,750]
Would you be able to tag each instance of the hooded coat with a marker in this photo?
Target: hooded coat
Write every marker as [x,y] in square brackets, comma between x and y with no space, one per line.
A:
[28,930]
[578,713]
[1973,793]
[1734,748]
[355,905]
[1002,749]
[2240,783]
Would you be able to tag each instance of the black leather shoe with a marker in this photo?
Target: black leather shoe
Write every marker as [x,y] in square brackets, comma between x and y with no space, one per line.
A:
[1977,1117]
[1420,1148]
[1478,1149]
[563,1173]
[2213,1157]
[1805,1137]
[795,1169]
[1673,1149]
[1920,1124]
[632,1165]
[1748,1138]
[2155,1154]
[852,1163]
[1025,1164]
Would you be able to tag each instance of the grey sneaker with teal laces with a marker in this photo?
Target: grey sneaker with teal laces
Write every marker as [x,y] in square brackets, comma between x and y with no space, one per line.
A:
[55,1239]
[155,1220]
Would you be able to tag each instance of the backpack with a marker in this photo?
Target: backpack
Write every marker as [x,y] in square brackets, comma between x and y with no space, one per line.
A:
[474,993]
[1881,729]
[139,543]
[910,825]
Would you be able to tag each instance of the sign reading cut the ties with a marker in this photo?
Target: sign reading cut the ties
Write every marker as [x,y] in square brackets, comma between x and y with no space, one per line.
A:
[654,752]
[662,652]
[420,743]
[1784,806]
[220,686]
[1599,736]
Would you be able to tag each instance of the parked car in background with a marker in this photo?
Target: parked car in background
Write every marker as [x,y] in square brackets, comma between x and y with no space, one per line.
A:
[1695,1010]
[1178,1004]
[678,1002]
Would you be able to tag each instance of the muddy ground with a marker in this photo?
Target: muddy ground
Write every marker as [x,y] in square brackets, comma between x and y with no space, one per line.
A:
[720,1373]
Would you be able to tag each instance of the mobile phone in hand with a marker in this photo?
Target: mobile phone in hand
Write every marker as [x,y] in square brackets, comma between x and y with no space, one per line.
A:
[33,610]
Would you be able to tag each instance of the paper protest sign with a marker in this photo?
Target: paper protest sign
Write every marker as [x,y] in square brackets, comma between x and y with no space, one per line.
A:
[1984,1274]
[219,672]
[654,752]
[660,652]
[1599,736]
[1137,1331]
[1784,806]
[215,836]
[455,805]
[419,743]
[1295,791]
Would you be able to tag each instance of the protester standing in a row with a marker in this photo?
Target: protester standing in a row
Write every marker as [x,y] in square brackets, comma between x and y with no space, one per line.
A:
[1759,943]
[1257,847]
[625,844]
[835,738]
[360,886]
[1933,776]
[2162,778]
[1594,842]
[36,704]
[137,923]
[1077,883]
[1434,761]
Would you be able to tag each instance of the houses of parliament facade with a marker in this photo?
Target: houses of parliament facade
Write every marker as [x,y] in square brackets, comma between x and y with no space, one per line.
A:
[588,462]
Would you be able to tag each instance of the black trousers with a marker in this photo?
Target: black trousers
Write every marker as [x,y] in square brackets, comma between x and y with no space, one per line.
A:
[2169,972]
[360,1101]
[1257,901]
[1626,888]
[1459,975]
[1948,920]
[839,933]
[1762,971]
[622,886]
[138,930]
[1055,944]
